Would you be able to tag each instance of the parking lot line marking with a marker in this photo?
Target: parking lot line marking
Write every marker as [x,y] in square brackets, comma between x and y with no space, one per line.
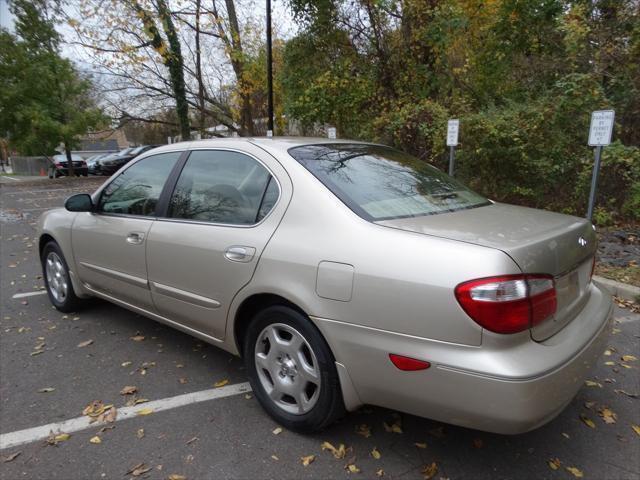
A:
[21,437]
[29,294]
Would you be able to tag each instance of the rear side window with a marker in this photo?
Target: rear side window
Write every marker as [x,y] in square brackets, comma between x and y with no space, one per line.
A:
[381,183]
[137,189]
[223,187]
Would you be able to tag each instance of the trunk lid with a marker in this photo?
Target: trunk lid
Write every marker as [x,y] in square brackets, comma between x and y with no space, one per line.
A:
[537,240]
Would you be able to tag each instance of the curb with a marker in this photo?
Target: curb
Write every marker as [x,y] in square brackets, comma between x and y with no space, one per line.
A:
[619,289]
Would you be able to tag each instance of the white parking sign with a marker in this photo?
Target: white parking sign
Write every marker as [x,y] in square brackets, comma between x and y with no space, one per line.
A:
[452,132]
[601,128]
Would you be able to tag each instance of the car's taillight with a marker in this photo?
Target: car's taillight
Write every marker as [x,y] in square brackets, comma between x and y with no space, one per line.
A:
[508,303]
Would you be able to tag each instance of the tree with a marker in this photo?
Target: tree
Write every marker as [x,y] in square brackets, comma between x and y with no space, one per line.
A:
[44,102]
[141,48]
[523,77]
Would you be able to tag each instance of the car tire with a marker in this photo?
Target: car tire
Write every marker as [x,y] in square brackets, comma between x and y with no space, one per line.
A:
[296,382]
[55,272]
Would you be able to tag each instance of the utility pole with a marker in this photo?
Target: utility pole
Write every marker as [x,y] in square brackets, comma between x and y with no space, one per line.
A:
[269,73]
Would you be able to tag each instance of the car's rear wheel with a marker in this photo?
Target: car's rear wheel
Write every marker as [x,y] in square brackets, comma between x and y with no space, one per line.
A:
[291,370]
[57,280]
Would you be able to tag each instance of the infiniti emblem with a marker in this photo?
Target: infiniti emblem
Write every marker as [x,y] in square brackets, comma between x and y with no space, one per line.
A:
[582,241]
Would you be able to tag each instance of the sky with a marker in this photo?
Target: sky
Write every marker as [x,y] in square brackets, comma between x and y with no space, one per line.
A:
[6,20]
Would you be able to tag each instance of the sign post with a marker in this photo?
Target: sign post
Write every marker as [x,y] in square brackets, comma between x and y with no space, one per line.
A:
[332,133]
[599,136]
[452,140]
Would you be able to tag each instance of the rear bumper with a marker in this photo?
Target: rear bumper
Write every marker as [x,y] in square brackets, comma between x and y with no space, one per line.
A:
[494,388]
[76,171]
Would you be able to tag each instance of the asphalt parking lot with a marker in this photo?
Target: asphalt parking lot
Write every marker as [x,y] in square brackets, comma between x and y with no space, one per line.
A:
[54,365]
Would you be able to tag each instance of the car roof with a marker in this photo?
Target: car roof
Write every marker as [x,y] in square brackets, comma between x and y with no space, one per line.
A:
[281,144]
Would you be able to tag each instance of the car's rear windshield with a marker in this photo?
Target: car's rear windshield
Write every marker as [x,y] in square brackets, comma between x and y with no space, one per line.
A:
[381,183]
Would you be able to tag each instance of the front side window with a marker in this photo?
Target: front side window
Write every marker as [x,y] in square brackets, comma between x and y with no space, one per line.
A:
[136,190]
[223,187]
[381,183]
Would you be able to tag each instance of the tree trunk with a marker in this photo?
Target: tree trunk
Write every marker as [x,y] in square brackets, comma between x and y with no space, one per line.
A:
[171,57]
[199,71]
[67,152]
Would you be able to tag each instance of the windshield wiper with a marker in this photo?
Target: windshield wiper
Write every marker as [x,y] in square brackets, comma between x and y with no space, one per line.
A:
[444,196]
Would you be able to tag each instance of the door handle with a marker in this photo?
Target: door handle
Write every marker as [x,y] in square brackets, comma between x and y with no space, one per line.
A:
[239,253]
[135,238]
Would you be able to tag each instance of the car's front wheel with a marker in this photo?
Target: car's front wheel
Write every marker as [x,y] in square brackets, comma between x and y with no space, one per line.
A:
[57,280]
[291,370]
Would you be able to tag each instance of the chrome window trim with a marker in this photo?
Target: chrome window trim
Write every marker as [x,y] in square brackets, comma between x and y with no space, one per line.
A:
[232,225]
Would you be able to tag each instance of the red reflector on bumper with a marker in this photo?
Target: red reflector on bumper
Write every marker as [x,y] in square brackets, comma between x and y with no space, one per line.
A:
[407,363]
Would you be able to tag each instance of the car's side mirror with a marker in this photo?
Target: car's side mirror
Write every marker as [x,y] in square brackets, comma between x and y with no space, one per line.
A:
[79,203]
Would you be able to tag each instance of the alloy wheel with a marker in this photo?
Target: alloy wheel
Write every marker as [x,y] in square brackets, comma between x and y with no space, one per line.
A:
[287,368]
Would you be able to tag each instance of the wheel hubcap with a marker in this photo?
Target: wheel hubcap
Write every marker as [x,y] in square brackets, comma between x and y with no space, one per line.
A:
[56,277]
[287,368]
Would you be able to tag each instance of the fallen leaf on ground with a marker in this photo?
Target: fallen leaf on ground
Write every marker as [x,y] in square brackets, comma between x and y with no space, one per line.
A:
[364,430]
[110,415]
[429,471]
[37,352]
[55,438]
[277,431]
[138,470]
[175,476]
[128,390]
[10,458]
[190,441]
[420,445]
[275,457]
[575,472]
[609,364]
[380,473]
[308,460]
[589,405]
[623,392]
[591,383]
[587,421]
[352,468]
[125,364]
[608,415]
[145,411]
[628,358]
[338,453]
[137,338]
[184,380]
[375,453]
[140,433]
[96,440]
[221,383]
[86,343]
[46,390]
[636,429]
[554,463]
[393,428]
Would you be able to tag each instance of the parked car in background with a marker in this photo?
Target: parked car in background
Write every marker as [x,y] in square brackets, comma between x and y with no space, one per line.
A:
[344,273]
[59,166]
[112,163]
[93,163]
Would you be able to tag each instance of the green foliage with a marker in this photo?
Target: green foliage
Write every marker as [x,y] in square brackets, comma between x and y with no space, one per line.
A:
[522,76]
[43,100]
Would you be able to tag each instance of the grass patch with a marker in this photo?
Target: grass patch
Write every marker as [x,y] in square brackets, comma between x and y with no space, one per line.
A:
[629,274]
